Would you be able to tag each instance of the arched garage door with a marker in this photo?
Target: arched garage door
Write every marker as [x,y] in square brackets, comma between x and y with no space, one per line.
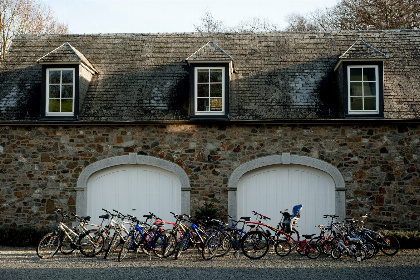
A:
[270,189]
[134,189]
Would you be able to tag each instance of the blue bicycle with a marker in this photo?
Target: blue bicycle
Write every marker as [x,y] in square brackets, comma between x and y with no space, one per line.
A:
[146,238]
[254,244]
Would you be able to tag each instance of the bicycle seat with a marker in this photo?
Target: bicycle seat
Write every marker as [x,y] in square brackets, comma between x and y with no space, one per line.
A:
[104,217]
[246,218]
[308,236]
[147,216]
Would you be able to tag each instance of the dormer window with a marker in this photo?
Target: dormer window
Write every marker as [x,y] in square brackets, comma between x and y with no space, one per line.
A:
[361,70]
[66,74]
[209,82]
[60,95]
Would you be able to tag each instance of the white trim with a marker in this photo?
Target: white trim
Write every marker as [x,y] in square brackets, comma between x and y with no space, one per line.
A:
[47,95]
[355,112]
[222,112]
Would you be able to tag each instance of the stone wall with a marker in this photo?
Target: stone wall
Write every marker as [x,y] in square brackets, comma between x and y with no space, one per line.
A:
[40,165]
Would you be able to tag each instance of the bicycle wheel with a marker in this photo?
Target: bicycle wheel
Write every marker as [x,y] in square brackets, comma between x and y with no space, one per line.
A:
[225,245]
[91,243]
[370,249]
[183,244]
[211,245]
[48,246]
[126,247]
[389,245]
[172,242]
[282,248]
[116,241]
[336,253]
[254,245]
[313,250]
[67,245]
[159,245]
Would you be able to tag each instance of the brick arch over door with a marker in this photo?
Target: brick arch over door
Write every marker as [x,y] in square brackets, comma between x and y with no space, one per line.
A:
[260,180]
[101,170]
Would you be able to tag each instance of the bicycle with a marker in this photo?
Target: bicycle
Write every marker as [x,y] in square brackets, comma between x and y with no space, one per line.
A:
[139,239]
[388,244]
[120,231]
[254,244]
[66,239]
[194,236]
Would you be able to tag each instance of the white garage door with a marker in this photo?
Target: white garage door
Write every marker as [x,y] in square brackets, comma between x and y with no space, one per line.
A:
[135,190]
[270,190]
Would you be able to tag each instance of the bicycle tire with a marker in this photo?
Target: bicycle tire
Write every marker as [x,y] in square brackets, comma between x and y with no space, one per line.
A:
[360,254]
[336,253]
[224,244]
[159,245]
[126,247]
[91,243]
[282,248]
[172,242]
[211,245]
[313,250]
[183,244]
[254,245]
[370,249]
[67,245]
[48,246]
[115,242]
[389,245]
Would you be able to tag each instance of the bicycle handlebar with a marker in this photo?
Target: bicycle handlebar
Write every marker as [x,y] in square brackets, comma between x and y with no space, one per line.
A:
[261,215]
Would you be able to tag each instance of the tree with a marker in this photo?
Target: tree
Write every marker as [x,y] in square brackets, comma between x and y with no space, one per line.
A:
[211,25]
[362,15]
[25,17]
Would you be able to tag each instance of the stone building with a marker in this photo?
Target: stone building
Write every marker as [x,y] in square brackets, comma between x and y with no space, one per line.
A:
[168,122]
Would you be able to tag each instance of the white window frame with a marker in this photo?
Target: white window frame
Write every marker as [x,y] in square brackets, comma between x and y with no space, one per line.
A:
[376,111]
[47,101]
[211,113]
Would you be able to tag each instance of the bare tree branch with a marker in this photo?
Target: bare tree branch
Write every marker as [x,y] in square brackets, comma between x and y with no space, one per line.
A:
[25,17]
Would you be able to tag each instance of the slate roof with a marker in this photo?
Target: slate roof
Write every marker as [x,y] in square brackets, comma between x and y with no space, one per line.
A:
[275,76]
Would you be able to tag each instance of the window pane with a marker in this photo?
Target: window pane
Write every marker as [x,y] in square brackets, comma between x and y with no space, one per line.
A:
[54,77]
[202,75]
[203,105]
[54,91]
[355,89]
[67,91]
[216,75]
[356,103]
[67,77]
[203,90]
[67,105]
[216,90]
[54,105]
[369,89]
[369,74]
[355,74]
[216,104]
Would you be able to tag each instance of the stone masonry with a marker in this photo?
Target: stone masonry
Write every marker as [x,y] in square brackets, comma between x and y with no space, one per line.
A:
[40,165]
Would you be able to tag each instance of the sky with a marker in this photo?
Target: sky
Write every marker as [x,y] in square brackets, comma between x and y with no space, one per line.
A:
[169,16]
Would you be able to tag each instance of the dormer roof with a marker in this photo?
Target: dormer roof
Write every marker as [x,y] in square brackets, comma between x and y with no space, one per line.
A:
[361,51]
[210,52]
[66,53]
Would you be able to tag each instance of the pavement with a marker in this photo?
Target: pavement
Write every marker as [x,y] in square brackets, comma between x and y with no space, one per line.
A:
[23,263]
